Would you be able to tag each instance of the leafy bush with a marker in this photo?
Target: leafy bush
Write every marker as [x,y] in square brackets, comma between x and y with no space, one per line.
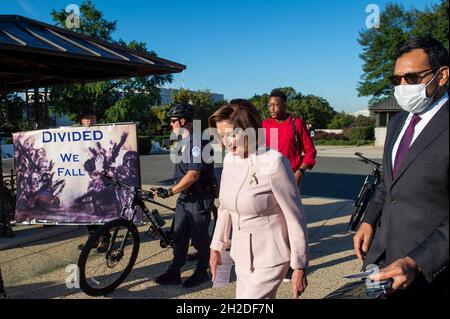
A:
[341,120]
[364,121]
[357,134]
[325,136]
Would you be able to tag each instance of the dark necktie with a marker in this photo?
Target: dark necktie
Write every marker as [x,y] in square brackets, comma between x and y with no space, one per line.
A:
[405,143]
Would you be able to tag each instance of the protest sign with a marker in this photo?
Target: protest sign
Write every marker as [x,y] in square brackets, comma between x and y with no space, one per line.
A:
[59,173]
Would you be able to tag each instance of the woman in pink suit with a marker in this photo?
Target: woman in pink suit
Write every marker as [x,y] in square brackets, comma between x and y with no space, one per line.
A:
[260,199]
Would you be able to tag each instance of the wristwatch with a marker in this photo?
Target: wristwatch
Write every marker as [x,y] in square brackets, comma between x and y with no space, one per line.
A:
[302,170]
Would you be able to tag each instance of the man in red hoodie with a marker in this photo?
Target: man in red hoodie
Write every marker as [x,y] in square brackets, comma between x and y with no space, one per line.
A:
[294,141]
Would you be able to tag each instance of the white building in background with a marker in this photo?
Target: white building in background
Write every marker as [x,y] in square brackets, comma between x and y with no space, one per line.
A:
[166,95]
[361,112]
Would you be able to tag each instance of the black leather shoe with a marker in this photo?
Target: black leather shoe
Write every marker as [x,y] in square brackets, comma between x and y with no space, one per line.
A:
[169,278]
[198,277]
[103,247]
[81,246]
[192,256]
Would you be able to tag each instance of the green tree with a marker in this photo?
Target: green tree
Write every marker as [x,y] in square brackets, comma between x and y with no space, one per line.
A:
[380,44]
[379,50]
[290,92]
[341,120]
[261,103]
[92,22]
[201,101]
[12,109]
[112,101]
[433,21]
[313,109]
[161,127]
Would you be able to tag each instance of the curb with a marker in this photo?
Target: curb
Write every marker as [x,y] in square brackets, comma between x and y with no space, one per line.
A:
[36,234]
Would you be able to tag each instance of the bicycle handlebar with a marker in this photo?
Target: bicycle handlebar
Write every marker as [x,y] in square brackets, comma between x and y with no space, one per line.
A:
[117,182]
[147,194]
[367,160]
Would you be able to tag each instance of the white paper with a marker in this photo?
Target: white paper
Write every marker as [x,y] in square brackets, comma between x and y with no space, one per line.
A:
[223,271]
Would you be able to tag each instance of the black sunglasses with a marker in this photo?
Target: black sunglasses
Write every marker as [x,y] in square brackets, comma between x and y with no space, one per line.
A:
[411,78]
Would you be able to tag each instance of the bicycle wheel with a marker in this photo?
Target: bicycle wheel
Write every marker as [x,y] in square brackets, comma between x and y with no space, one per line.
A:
[101,273]
[361,205]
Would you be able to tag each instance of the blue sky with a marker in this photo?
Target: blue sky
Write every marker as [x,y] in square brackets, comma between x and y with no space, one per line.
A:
[244,47]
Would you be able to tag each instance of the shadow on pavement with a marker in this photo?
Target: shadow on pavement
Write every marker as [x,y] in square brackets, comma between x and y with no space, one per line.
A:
[330,244]
[331,185]
[343,186]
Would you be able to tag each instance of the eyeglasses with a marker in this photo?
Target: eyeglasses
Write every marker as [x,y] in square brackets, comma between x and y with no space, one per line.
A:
[411,78]
[275,105]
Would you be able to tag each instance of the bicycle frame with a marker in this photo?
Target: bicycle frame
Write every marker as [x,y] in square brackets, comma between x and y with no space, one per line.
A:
[366,192]
[371,179]
[134,202]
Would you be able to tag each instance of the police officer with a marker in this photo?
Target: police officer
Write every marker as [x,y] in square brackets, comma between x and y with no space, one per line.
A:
[193,182]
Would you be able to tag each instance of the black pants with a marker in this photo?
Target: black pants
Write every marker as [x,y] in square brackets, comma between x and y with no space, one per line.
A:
[192,218]
[93,228]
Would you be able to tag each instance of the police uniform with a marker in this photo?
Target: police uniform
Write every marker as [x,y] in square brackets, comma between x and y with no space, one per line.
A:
[194,205]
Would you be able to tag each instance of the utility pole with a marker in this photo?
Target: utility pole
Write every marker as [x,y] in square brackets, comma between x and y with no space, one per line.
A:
[182,81]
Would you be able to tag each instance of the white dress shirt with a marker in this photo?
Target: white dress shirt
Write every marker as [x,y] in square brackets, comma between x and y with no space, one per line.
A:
[425,119]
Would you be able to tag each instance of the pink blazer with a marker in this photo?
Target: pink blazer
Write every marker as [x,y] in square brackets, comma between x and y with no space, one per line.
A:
[259,197]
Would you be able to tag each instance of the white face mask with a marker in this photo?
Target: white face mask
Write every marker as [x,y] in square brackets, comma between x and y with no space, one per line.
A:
[413,98]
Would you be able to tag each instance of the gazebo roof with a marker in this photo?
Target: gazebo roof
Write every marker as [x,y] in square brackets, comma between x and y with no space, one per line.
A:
[387,105]
[34,52]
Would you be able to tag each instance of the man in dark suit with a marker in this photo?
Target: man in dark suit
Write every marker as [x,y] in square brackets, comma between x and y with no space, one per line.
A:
[405,228]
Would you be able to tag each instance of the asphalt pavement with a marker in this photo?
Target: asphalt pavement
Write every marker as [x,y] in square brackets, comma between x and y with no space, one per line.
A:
[333,177]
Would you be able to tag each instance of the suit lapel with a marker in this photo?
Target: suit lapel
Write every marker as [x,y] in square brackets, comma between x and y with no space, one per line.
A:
[434,128]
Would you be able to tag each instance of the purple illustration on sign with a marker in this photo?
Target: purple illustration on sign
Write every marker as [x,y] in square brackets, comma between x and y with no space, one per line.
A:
[37,187]
[97,199]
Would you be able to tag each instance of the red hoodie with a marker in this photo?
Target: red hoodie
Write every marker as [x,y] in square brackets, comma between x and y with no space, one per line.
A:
[286,141]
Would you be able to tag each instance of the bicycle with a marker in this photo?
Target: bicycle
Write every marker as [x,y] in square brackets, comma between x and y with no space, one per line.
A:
[98,271]
[366,192]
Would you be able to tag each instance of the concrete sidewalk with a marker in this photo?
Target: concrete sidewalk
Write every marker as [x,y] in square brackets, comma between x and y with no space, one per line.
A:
[38,269]
[24,234]
[369,151]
